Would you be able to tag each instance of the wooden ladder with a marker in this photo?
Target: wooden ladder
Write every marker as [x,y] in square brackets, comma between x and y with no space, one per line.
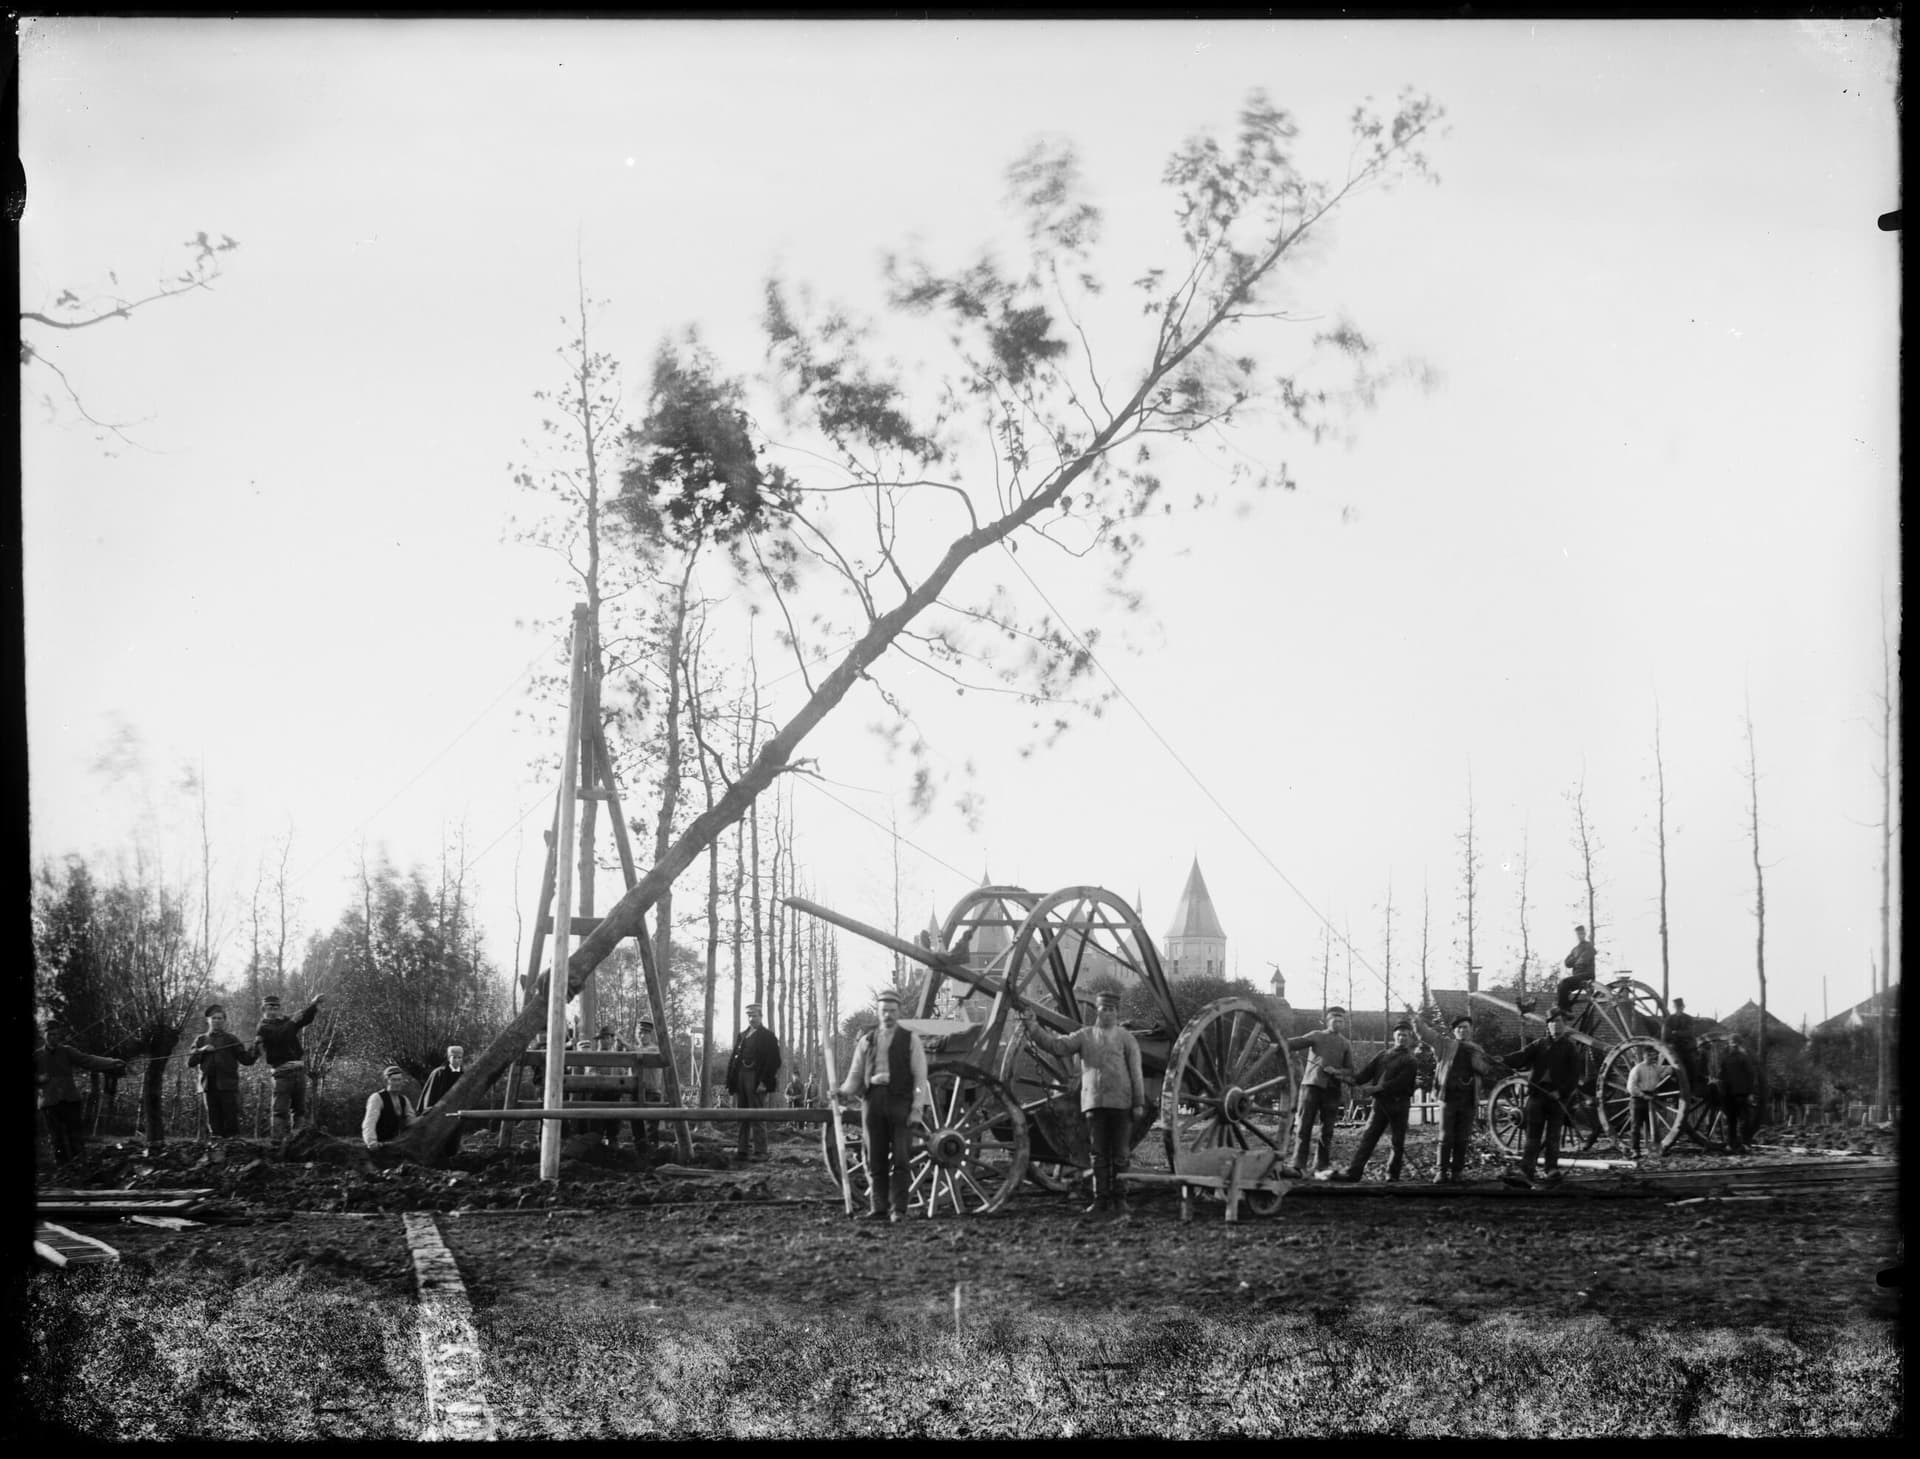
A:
[595,785]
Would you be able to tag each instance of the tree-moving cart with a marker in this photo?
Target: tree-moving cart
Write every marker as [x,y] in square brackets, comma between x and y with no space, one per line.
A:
[1005,1110]
[1611,1026]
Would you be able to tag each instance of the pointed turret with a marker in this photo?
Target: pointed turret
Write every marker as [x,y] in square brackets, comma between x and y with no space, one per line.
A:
[1196,942]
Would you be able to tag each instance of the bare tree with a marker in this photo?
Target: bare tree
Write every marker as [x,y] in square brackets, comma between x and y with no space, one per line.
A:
[1660,828]
[1066,446]
[1587,842]
[1469,887]
[1883,1082]
[1759,898]
[1426,917]
[1526,940]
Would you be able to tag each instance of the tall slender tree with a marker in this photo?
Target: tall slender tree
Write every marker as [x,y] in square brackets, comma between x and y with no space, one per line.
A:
[1660,836]
[1759,899]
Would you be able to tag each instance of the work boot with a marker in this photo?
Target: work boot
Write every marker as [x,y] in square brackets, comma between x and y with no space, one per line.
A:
[1345,1177]
[1098,1208]
[1520,1180]
[1440,1177]
[877,1216]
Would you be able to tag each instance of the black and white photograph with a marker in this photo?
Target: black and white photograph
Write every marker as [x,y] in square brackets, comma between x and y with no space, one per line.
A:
[1186,728]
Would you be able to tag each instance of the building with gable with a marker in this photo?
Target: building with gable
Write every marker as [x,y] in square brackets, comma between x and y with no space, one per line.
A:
[1195,943]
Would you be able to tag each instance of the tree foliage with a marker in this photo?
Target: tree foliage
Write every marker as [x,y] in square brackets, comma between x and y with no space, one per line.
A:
[1032,432]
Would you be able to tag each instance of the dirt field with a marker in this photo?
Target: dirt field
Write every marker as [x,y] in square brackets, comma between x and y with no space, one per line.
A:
[772,1236]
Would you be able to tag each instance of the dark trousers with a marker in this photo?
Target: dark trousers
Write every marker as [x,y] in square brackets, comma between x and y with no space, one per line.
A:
[1110,1133]
[1738,1109]
[67,1127]
[1322,1105]
[1641,1109]
[884,1120]
[1390,1119]
[753,1134]
[1544,1124]
[1563,994]
[1456,1132]
[223,1111]
[289,1098]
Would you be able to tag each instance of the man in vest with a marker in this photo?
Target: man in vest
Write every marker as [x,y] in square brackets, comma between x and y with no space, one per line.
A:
[1553,1066]
[1113,1092]
[888,1074]
[751,1075]
[1463,1064]
[277,1039]
[217,1056]
[389,1111]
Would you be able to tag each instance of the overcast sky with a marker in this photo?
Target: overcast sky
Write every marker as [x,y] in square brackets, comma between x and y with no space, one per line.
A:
[1658,464]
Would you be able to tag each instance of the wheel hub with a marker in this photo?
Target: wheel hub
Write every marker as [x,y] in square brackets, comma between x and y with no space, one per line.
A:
[946,1147]
[1233,1105]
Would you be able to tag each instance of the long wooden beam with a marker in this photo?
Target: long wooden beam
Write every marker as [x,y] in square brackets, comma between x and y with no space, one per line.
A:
[941,962]
[655,1112]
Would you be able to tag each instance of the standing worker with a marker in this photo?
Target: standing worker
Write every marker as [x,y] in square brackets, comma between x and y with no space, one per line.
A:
[888,1074]
[443,1077]
[1553,1075]
[1329,1065]
[216,1057]
[1735,1080]
[60,1098]
[277,1039]
[751,1073]
[1113,1093]
[1389,1076]
[1463,1064]
[1644,1082]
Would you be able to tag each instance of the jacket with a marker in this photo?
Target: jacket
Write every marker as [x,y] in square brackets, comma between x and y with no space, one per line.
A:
[437,1085]
[279,1038]
[1456,1075]
[217,1057]
[1110,1075]
[53,1071]
[1580,961]
[1736,1072]
[1329,1051]
[1392,1073]
[1553,1065]
[757,1050]
[860,1066]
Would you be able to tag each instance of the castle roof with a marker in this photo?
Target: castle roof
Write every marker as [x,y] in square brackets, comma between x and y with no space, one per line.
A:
[1863,1015]
[1194,916]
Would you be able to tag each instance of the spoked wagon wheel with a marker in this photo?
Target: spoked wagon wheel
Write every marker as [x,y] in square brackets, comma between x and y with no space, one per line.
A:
[1507,1115]
[974,1152]
[1704,1122]
[1080,938]
[1055,1175]
[856,1139]
[1228,1087]
[1669,1098]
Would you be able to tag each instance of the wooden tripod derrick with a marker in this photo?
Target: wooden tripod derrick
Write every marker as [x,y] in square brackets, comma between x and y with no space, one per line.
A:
[593,784]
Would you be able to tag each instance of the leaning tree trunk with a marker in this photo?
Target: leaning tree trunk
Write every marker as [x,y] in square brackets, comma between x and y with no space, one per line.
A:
[161,1042]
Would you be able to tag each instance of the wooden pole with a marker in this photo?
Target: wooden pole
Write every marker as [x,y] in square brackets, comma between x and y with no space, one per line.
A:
[554,1086]
[833,1102]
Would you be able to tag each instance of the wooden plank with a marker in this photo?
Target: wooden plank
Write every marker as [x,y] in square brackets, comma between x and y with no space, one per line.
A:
[69,1248]
[577,925]
[169,1223]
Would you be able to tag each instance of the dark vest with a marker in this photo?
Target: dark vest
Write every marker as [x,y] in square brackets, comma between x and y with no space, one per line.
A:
[389,1123]
[899,1063]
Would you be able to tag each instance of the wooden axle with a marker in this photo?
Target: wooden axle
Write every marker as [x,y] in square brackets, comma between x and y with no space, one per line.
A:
[652,1112]
[940,962]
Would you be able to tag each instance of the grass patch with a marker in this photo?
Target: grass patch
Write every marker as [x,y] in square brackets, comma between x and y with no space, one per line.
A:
[600,1373]
[120,1353]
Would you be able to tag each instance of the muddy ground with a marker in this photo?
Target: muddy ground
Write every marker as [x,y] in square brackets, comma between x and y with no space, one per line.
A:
[770,1236]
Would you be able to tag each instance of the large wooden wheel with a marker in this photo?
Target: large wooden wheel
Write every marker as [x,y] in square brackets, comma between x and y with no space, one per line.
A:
[1669,1098]
[1076,941]
[1704,1122]
[1228,1085]
[969,1159]
[1506,1111]
[981,928]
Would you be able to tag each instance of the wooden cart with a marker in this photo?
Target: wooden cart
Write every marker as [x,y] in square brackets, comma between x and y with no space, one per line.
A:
[1005,1110]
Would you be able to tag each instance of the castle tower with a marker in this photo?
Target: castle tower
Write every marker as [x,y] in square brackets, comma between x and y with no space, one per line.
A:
[1196,944]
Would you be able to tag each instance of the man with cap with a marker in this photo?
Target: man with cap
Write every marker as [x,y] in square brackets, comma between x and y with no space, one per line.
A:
[1463,1064]
[216,1056]
[1113,1092]
[277,1039]
[888,1074]
[389,1111]
[653,1082]
[61,1101]
[751,1075]
[1735,1080]
[1329,1066]
[1580,966]
[1389,1076]
[1553,1066]
[1682,1036]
